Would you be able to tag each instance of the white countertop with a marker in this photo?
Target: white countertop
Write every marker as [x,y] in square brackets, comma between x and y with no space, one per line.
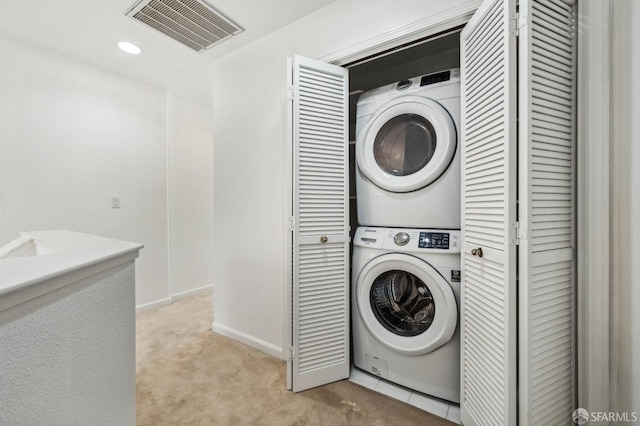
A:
[74,251]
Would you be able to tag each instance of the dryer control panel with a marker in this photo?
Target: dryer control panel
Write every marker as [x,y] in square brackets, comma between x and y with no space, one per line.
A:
[409,240]
[438,77]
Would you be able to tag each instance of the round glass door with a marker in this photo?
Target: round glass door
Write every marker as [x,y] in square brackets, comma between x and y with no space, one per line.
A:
[406,304]
[404,145]
[402,303]
[407,144]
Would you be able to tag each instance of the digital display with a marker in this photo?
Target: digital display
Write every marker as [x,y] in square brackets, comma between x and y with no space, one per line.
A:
[435,78]
[434,240]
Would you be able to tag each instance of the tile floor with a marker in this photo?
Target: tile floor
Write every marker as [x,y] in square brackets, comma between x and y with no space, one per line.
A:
[446,410]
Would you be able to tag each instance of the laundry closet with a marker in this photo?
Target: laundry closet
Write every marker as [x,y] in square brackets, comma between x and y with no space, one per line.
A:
[517,306]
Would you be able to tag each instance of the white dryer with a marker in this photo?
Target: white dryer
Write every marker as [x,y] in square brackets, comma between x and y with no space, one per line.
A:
[407,153]
[405,290]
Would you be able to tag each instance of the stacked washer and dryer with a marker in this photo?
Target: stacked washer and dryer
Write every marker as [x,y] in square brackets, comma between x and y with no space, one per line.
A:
[406,254]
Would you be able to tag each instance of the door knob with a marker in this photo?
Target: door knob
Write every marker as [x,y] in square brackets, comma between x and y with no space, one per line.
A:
[477,252]
[324,239]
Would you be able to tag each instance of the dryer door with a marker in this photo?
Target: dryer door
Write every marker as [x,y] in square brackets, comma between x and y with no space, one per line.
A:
[407,144]
[406,304]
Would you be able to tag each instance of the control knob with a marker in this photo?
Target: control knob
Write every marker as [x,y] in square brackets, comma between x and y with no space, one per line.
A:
[404,84]
[401,238]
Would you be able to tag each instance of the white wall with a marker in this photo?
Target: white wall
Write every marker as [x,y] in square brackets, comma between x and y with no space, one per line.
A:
[190,195]
[625,204]
[68,356]
[72,135]
[249,100]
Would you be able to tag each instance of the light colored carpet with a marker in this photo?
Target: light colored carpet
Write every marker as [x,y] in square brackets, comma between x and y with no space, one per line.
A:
[187,375]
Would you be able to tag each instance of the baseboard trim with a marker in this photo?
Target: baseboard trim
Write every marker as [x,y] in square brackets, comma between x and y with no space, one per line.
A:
[261,345]
[152,305]
[193,292]
[173,298]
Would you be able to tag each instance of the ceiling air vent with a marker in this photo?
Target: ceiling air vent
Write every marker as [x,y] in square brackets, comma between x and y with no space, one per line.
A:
[193,23]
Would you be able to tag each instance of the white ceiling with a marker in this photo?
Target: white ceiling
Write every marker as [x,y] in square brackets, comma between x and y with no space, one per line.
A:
[89,30]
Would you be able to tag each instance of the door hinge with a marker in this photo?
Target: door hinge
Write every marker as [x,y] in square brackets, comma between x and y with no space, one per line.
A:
[290,356]
[517,233]
[290,225]
[516,22]
[523,20]
[290,93]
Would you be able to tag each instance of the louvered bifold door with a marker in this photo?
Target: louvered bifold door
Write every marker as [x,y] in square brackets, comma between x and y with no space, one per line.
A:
[547,47]
[488,314]
[321,224]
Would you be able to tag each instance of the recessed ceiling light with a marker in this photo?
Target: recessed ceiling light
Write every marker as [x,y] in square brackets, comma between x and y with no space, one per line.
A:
[129,47]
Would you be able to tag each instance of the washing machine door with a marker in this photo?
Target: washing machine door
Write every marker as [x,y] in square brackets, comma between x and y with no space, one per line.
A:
[406,304]
[407,144]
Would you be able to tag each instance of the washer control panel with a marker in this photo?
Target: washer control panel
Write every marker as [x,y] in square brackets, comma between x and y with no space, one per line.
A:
[409,240]
[434,240]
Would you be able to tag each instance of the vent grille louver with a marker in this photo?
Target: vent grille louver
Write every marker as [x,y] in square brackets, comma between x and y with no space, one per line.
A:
[190,22]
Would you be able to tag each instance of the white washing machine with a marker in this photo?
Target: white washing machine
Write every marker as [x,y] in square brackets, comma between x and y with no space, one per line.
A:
[407,153]
[405,290]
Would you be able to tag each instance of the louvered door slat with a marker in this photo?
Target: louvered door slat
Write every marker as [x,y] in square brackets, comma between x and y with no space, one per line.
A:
[489,190]
[547,111]
[320,269]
